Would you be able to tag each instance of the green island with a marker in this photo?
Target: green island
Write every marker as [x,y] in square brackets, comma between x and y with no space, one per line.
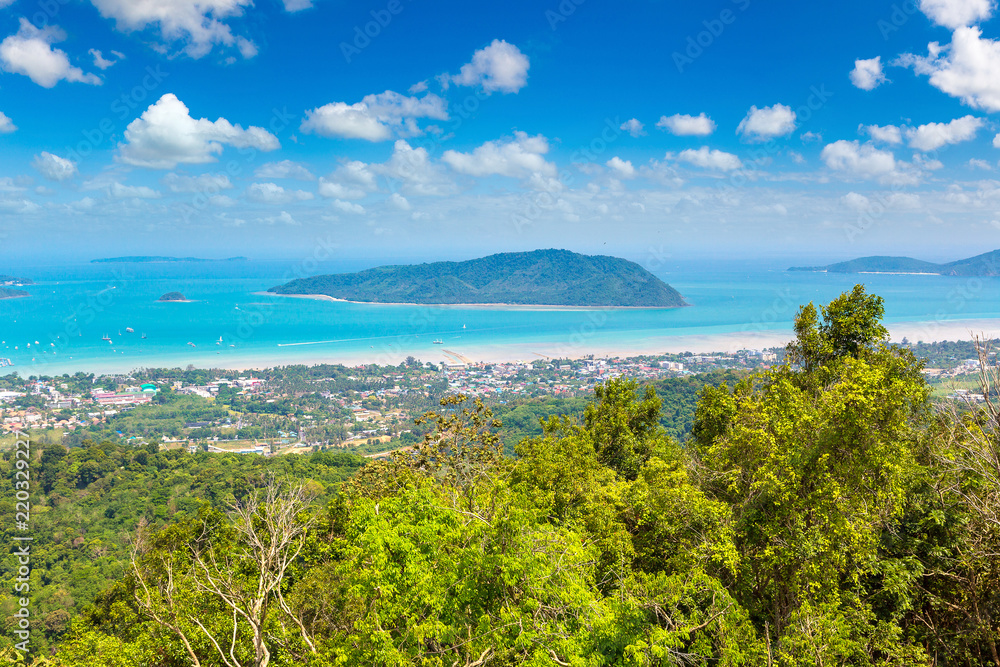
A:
[822,505]
[8,293]
[536,278]
[987,264]
[12,281]
[154,258]
[172,296]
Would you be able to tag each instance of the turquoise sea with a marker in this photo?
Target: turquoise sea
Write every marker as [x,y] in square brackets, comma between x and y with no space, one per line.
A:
[60,327]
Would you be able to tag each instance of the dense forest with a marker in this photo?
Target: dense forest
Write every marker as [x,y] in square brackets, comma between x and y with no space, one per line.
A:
[820,513]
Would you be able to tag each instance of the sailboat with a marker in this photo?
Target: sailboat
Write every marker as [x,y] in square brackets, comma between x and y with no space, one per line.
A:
[144,336]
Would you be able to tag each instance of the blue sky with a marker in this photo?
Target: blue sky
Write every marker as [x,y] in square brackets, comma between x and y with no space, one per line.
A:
[401,129]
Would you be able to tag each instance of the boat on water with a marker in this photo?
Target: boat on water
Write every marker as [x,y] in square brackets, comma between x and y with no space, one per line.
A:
[144,336]
[438,342]
[129,330]
[105,337]
[219,342]
[192,344]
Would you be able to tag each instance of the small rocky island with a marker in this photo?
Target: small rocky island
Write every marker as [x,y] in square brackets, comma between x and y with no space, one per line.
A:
[173,296]
[536,278]
[7,293]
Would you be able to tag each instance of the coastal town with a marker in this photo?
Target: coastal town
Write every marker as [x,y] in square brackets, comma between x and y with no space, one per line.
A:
[366,409]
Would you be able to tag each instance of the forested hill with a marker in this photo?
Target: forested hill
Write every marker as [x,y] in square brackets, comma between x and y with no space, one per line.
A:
[987,264]
[540,277]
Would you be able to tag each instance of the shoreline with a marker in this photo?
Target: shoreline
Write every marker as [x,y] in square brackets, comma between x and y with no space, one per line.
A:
[505,306]
[397,349]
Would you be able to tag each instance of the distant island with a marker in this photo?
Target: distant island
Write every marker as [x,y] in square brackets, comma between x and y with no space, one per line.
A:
[11,281]
[172,296]
[536,278]
[151,259]
[987,264]
[7,293]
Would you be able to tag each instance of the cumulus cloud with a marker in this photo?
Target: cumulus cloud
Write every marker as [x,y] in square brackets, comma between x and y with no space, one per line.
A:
[621,168]
[166,135]
[520,157]
[283,218]
[352,180]
[967,68]
[348,207]
[868,74]
[414,169]
[855,202]
[202,183]
[710,159]
[957,13]
[399,202]
[54,167]
[932,136]
[766,123]
[633,127]
[6,124]
[198,24]
[284,169]
[886,134]
[29,52]
[684,125]
[859,160]
[272,193]
[500,66]
[375,117]
[996,141]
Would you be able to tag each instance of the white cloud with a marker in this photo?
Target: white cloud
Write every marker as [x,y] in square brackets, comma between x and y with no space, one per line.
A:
[903,200]
[932,136]
[283,218]
[30,52]
[198,23]
[120,191]
[684,125]
[6,124]
[99,59]
[284,169]
[297,5]
[348,207]
[966,69]
[413,167]
[352,180]
[202,183]
[54,167]
[855,202]
[633,127]
[957,13]
[166,135]
[271,193]
[499,66]
[246,48]
[886,134]
[996,141]
[766,123]
[863,160]
[868,74]
[980,164]
[520,157]
[375,117]
[710,159]
[621,168]
[398,201]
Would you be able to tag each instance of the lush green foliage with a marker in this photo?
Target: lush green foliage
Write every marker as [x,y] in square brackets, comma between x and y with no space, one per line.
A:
[542,277]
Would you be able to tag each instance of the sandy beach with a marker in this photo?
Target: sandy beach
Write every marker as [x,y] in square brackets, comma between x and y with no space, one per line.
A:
[495,306]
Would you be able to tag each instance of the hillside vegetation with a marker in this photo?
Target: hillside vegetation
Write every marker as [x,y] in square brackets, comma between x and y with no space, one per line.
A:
[540,277]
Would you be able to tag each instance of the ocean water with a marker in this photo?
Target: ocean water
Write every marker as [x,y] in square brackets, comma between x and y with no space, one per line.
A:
[59,329]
